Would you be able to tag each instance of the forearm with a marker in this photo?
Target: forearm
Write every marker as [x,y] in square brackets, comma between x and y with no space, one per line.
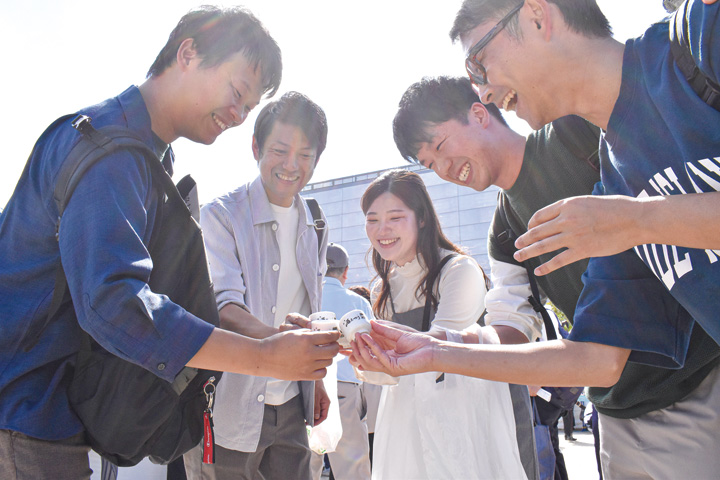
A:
[556,363]
[230,352]
[238,320]
[491,335]
[691,220]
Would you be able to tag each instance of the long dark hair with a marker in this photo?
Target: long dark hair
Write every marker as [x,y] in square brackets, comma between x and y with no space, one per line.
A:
[409,187]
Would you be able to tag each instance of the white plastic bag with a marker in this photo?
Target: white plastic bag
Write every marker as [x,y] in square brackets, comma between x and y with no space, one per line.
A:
[325,437]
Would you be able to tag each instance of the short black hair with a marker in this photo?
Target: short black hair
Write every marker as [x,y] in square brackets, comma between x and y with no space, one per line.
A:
[295,109]
[335,272]
[581,16]
[429,102]
[218,33]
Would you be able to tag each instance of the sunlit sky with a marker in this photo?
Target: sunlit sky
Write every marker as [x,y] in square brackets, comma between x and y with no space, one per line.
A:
[355,59]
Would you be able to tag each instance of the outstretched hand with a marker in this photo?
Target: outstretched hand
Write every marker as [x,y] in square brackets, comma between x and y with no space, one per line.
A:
[299,354]
[402,352]
[586,226]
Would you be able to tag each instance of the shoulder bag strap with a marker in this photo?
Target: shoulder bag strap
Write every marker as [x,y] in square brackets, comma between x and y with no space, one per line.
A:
[94,146]
[703,86]
[320,226]
[506,242]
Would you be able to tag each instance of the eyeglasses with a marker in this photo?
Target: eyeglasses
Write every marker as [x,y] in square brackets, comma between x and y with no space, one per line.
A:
[477,73]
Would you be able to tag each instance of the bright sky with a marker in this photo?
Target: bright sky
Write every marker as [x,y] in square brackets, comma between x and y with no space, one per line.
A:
[355,59]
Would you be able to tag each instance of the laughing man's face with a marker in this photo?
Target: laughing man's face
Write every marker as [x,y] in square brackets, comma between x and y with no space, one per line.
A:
[515,70]
[286,161]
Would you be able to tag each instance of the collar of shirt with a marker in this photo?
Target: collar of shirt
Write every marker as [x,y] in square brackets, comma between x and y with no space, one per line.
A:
[332,281]
[138,120]
[260,205]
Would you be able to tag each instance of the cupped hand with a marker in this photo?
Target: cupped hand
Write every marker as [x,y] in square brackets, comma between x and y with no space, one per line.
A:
[405,352]
[384,341]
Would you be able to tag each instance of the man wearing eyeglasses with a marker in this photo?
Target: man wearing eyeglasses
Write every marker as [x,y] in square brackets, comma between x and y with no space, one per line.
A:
[441,124]
[546,59]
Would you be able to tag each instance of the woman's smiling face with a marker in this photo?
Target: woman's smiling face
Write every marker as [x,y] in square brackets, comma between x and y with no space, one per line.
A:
[392,229]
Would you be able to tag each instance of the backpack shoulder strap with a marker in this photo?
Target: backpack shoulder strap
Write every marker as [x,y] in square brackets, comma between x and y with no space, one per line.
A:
[580,137]
[703,86]
[93,146]
[320,225]
[505,237]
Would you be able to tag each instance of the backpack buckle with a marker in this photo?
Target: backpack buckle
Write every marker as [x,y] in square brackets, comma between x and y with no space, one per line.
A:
[81,123]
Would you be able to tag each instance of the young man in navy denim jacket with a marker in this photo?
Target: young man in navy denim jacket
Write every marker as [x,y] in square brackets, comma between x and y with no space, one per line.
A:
[214,69]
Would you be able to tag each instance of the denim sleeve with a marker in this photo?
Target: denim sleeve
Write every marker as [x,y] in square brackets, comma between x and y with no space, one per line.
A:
[103,236]
[624,305]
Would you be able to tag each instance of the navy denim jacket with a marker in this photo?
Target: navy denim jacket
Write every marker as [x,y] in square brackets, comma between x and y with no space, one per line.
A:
[102,244]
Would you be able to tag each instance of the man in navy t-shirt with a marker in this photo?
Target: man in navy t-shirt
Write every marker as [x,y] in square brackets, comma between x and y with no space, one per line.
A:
[545,59]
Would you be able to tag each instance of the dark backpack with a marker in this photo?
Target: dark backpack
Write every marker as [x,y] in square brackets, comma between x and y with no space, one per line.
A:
[128,412]
[703,86]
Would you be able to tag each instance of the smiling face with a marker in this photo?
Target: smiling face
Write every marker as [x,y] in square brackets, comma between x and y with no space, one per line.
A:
[286,162]
[392,228]
[218,98]
[517,68]
[462,153]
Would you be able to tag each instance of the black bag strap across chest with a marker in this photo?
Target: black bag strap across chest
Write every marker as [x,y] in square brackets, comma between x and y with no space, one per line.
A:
[506,242]
[87,152]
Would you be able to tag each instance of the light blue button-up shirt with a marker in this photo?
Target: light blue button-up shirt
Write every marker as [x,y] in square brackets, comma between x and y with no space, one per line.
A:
[242,247]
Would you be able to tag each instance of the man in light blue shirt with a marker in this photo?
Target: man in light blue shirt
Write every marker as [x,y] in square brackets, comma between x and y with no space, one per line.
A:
[358,401]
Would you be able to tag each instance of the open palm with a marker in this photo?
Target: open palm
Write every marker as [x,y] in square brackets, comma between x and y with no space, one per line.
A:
[393,351]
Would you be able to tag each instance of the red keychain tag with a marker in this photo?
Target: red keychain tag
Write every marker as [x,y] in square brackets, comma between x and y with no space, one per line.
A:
[208,434]
[208,438]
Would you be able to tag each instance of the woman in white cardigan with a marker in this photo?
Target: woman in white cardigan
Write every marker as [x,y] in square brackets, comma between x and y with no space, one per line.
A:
[432,425]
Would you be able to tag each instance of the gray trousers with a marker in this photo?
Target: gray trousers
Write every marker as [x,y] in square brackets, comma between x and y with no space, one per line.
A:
[679,441]
[27,458]
[282,451]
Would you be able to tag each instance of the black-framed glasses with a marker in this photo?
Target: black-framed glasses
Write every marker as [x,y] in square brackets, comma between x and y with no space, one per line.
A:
[475,69]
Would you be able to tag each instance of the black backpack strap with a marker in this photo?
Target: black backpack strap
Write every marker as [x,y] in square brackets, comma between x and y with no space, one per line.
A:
[320,225]
[431,279]
[93,146]
[707,89]
[505,237]
[580,137]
